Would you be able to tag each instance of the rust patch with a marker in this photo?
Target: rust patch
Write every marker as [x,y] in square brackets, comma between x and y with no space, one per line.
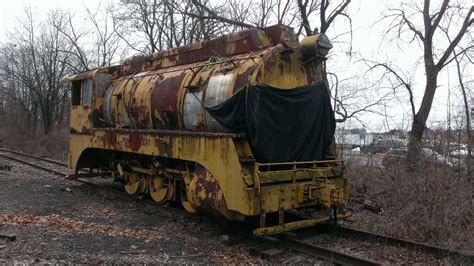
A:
[164,146]
[135,64]
[309,73]
[241,80]
[85,130]
[280,34]
[134,141]
[281,67]
[207,195]
[98,119]
[110,138]
[272,60]
[164,102]
[233,44]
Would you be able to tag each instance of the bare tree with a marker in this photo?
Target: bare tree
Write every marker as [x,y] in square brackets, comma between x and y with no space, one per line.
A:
[396,78]
[435,58]
[459,58]
[152,26]
[107,41]
[16,96]
[466,109]
[34,66]
[79,59]
[96,44]
[326,14]
[356,96]
[140,18]
[295,13]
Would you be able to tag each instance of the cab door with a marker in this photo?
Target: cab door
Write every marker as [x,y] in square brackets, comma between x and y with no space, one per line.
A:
[81,109]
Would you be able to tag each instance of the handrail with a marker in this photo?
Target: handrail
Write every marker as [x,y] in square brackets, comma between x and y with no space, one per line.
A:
[299,162]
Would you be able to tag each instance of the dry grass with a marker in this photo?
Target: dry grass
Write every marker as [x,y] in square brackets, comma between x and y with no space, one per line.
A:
[53,145]
[431,205]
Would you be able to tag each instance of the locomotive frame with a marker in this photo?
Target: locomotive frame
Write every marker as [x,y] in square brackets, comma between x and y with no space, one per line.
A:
[207,171]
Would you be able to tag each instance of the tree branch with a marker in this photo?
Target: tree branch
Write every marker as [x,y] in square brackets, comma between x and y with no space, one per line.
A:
[213,15]
[468,21]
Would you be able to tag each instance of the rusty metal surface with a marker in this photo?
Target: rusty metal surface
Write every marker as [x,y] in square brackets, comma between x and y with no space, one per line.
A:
[193,112]
[165,99]
[237,43]
[167,90]
[111,70]
[219,89]
[153,106]
[207,195]
[157,99]
[281,34]
[175,132]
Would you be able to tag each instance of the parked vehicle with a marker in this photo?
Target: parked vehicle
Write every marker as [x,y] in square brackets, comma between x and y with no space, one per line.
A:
[456,146]
[458,154]
[382,146]
[398,156]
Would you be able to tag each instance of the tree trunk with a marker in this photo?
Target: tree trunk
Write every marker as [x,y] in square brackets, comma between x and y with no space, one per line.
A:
[469,135]
[468,116]
[419,121]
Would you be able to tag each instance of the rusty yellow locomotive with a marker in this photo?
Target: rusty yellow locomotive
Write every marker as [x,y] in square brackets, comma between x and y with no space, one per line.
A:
[238,126]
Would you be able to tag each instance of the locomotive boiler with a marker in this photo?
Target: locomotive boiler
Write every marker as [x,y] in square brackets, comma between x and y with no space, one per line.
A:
[239,126]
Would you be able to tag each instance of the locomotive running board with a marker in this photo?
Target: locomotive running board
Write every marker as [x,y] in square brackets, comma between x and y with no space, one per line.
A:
[272,230]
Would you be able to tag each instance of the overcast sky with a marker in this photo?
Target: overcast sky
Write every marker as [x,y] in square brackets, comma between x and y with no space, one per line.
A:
[366,43]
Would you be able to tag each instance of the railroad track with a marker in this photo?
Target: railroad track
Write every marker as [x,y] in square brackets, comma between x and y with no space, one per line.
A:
[61,169]
[296,242]
[308,241]
[47,168]
[438,252]
[290,241]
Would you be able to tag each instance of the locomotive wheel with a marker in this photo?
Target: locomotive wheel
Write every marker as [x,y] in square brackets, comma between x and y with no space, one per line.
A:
[186,196]
[188,206]
[133,184]
[144,185]
[160,189]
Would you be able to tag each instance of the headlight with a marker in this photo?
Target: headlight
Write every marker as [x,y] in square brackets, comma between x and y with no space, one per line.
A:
[315,46]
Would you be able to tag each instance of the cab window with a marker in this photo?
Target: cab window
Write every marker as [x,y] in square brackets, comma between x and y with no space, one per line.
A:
[81,93]
[86,92]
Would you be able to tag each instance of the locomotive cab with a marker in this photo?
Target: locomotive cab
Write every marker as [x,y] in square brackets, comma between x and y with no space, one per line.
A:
[240,126]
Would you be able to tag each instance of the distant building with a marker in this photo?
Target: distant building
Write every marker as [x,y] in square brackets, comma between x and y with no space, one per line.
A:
[393,134]
[353,137]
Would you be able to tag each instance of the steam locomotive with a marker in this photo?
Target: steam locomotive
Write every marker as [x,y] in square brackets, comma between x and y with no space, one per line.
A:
[240,126]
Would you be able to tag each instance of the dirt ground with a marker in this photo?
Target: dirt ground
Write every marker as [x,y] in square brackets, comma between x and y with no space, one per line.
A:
[56,220]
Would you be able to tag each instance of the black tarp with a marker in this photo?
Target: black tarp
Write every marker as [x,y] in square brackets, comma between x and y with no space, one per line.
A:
[281,125]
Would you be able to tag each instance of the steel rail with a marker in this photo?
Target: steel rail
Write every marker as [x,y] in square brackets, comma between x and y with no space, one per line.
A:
[81,180]
[433,250]
[35,157]
[320,252]
[34,165]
